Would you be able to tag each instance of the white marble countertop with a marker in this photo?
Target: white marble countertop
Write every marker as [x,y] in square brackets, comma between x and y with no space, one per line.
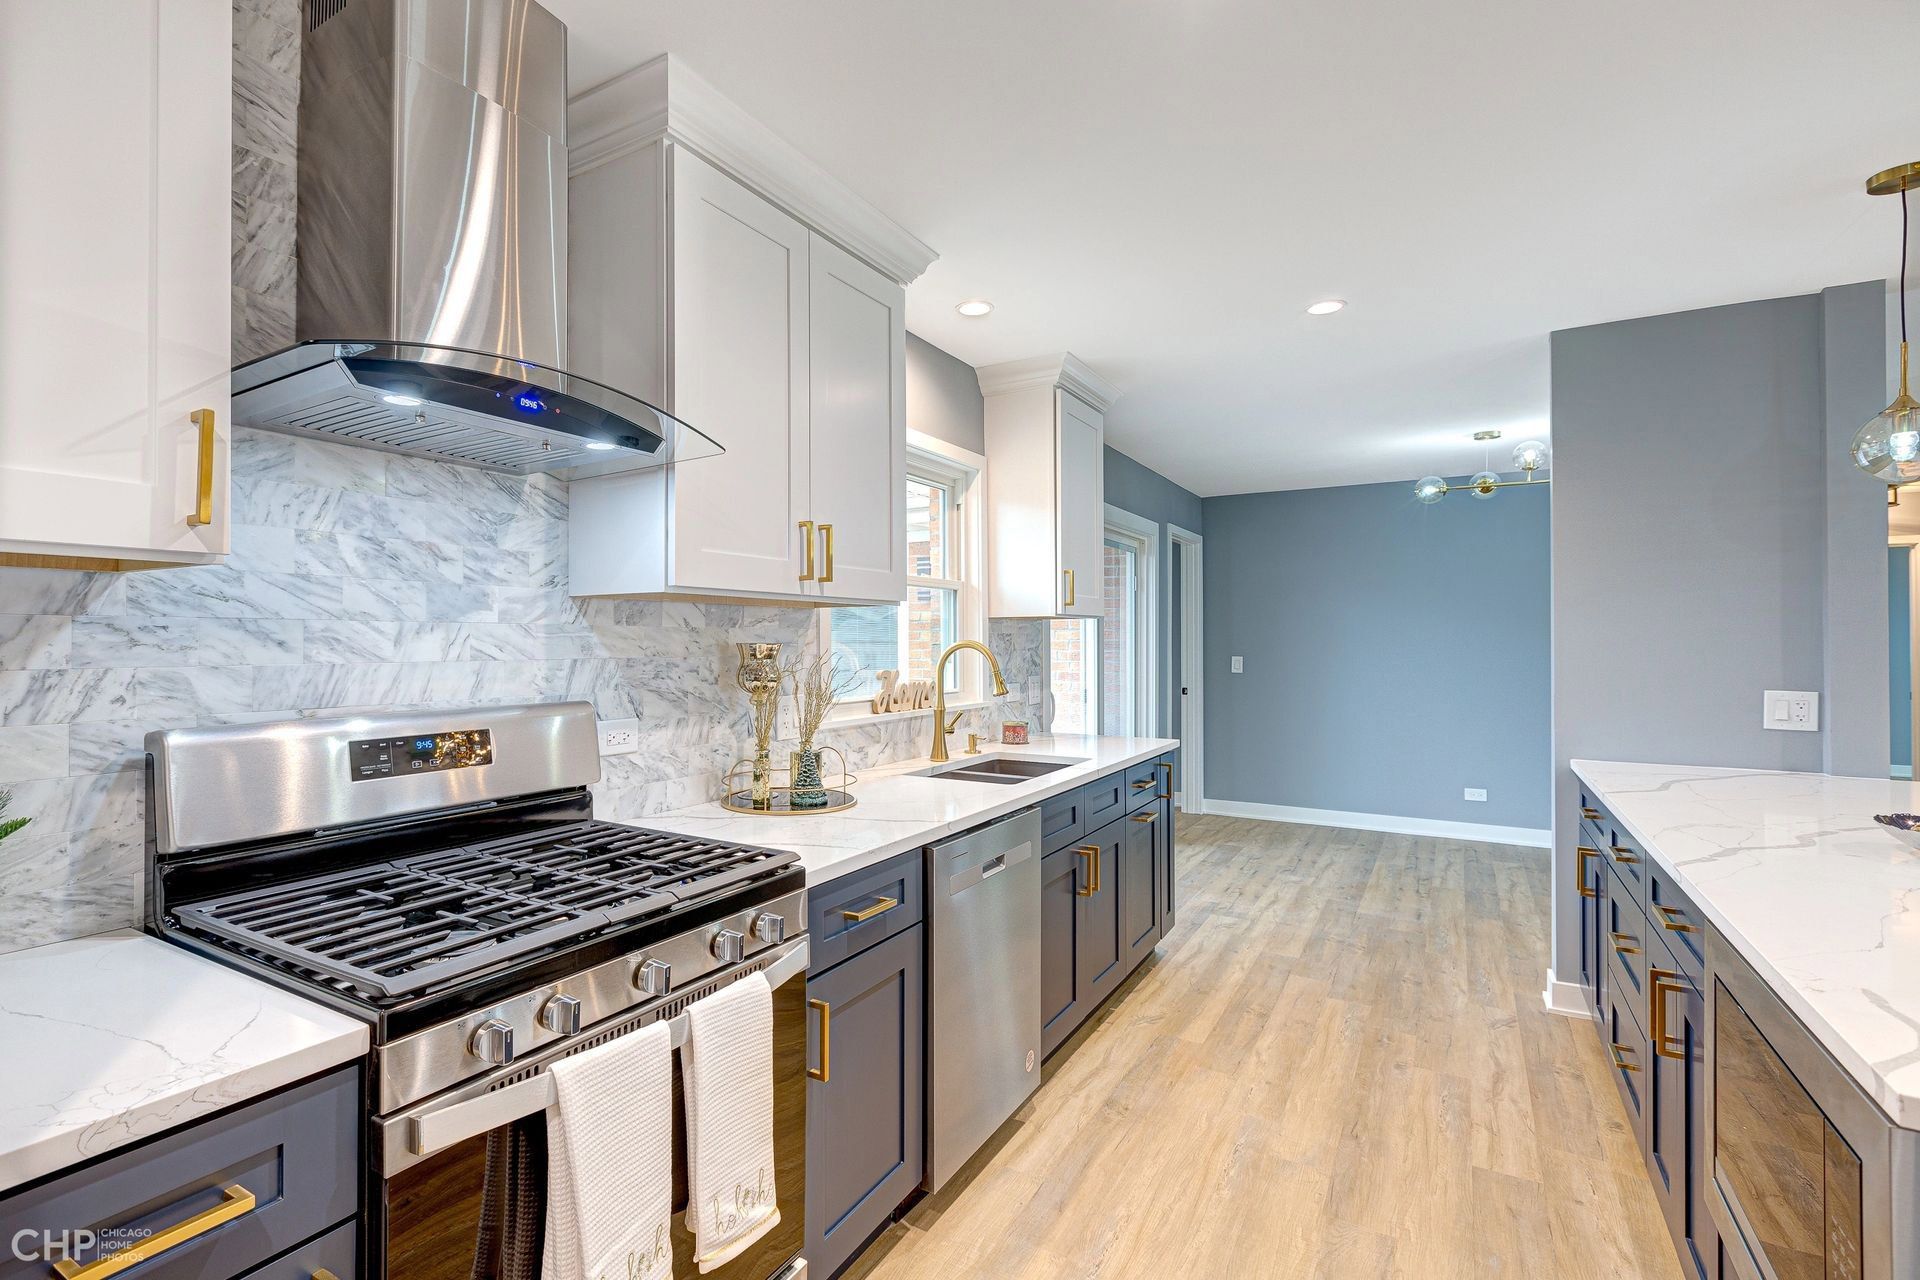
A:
[108,1039]
[1822,901]
[899,811]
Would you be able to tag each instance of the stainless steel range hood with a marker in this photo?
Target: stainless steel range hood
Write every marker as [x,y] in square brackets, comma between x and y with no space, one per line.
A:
[432,306]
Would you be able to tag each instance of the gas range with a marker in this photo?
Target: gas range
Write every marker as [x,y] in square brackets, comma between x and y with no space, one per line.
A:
[442,876]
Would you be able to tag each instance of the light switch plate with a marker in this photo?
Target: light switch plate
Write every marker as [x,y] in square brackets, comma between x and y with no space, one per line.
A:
[1790,710]
[1238,666]
[619,737]
[1476,793]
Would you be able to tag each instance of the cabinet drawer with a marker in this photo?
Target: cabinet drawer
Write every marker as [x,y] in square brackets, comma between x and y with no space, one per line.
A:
[1629,947]
[337,1253]
[848,915]
[254,1181]
[1063,819]
[1625,1045]
[1105,800]
[1143,784]
[1675,919]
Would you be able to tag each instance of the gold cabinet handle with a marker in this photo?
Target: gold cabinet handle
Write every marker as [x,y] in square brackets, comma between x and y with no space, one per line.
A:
[1148,816]
[235,1201]
[1664,982]
[826,539]
[1143,784]
[1069,601]
[1582,853]
[879,908]
[203,485]
[1620,1052]
[1168,793]
[1591,815]
[324,1274]
[1676,920]
[806,541]
[1625,943]
[825,1068]
[1624,855]
[1092,855]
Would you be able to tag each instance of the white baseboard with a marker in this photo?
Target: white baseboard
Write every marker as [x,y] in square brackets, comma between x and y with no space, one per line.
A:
[1531,837]
[1569,998]
[1902,771]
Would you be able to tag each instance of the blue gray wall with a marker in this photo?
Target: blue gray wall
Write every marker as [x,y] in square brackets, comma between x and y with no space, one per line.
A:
[1151,496]
[1900,658]
[1395,654]
[943,396]
[1711,541]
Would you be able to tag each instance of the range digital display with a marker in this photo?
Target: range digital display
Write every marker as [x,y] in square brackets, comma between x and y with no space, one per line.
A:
[369,758]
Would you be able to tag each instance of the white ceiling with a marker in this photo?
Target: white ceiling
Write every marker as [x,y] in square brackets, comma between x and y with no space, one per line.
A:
[1162,188]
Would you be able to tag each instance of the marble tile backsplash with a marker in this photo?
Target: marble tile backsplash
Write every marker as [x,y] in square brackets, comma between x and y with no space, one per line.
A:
[362,580]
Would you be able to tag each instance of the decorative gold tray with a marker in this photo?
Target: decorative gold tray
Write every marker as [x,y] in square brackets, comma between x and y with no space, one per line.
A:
[739,798]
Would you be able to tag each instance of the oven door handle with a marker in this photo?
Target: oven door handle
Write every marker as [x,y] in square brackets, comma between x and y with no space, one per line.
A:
[436,1130]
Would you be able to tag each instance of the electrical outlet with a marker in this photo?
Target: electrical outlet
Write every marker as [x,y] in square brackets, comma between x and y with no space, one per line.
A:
[1239,665]
[1791,710]
[786,720]
[1476,793]
[619,737]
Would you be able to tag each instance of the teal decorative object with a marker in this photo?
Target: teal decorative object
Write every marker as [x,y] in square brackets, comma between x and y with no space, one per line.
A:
[808,791]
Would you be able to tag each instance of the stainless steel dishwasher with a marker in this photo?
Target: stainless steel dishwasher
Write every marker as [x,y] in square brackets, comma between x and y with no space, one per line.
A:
[983,986]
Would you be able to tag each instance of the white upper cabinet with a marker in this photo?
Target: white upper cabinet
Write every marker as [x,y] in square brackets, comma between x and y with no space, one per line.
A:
[1046,492]
[115,244]
[730,308]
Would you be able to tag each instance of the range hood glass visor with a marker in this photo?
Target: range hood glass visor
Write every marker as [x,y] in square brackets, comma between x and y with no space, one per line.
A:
[470,407]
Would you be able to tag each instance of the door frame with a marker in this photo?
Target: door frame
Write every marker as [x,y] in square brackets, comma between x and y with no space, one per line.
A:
[1125,526]
[1191,796]
[1912,541]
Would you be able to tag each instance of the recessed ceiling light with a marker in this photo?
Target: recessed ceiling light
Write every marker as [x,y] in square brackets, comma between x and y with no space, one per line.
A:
[974,307]
[598,444]
[405,402]
[1326,307]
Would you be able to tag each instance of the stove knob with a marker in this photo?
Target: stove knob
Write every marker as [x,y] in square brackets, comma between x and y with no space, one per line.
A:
[769,927]
[561,1014]
[729,946]
[654,977]
[492,1041]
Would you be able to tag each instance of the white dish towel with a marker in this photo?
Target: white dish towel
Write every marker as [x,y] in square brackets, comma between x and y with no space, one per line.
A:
[727,1069]
[610,1161]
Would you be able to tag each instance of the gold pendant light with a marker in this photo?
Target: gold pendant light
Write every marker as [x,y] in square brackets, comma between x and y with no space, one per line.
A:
[1888,448]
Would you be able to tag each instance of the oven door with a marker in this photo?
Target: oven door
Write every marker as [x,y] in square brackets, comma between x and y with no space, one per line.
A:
[1803,1162]
[474,1209]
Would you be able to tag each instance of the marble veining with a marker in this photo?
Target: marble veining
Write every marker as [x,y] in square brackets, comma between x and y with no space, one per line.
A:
[900,810]
[1822,901]
[107,1040]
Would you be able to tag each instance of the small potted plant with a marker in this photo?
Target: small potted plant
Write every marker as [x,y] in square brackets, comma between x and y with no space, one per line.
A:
[817,685]
[9,825]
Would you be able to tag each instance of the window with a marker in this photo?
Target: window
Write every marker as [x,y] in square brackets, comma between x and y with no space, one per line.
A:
[943,601]
[1119,648]
[1073,647]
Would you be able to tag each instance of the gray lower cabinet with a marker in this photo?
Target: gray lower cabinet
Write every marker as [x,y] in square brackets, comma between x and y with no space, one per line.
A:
[1102,933]
[866,1117]
[1061,876]
[1139,885]
[259,1190]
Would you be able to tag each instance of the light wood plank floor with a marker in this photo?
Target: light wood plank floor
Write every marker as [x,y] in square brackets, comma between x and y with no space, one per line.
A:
[1337,1066]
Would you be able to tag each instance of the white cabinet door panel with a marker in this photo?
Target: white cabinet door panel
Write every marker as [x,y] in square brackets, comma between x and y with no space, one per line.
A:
[1082,516]
[858,432]
[739,326]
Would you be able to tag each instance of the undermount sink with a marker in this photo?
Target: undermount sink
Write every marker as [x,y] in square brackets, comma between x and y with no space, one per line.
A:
[1002,769]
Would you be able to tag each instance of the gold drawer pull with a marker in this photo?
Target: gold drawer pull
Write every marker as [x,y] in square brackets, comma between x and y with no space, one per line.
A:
[1091,853]
[1664,982]
[1676,920]
[1591,815]
[1143,784]
[1148,816]
[826,550]
[1620,1052]
[1069,600]
[324,1274]
[203,484]
[1168,793]
[1582,853]
[235,1202]
[806,541]
[825,1068]
[880,907]
[1627,856]
[1625,943]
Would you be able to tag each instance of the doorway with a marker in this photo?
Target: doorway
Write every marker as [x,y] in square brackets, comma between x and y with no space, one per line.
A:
[1130,678]
[1185,604]
[1903,659]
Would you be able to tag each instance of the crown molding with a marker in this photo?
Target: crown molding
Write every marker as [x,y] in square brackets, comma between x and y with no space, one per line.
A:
[665,99]
[1064,370]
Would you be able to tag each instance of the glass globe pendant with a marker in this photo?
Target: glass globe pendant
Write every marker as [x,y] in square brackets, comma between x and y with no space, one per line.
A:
[1888,448]
[1484,485]
[1430,490]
